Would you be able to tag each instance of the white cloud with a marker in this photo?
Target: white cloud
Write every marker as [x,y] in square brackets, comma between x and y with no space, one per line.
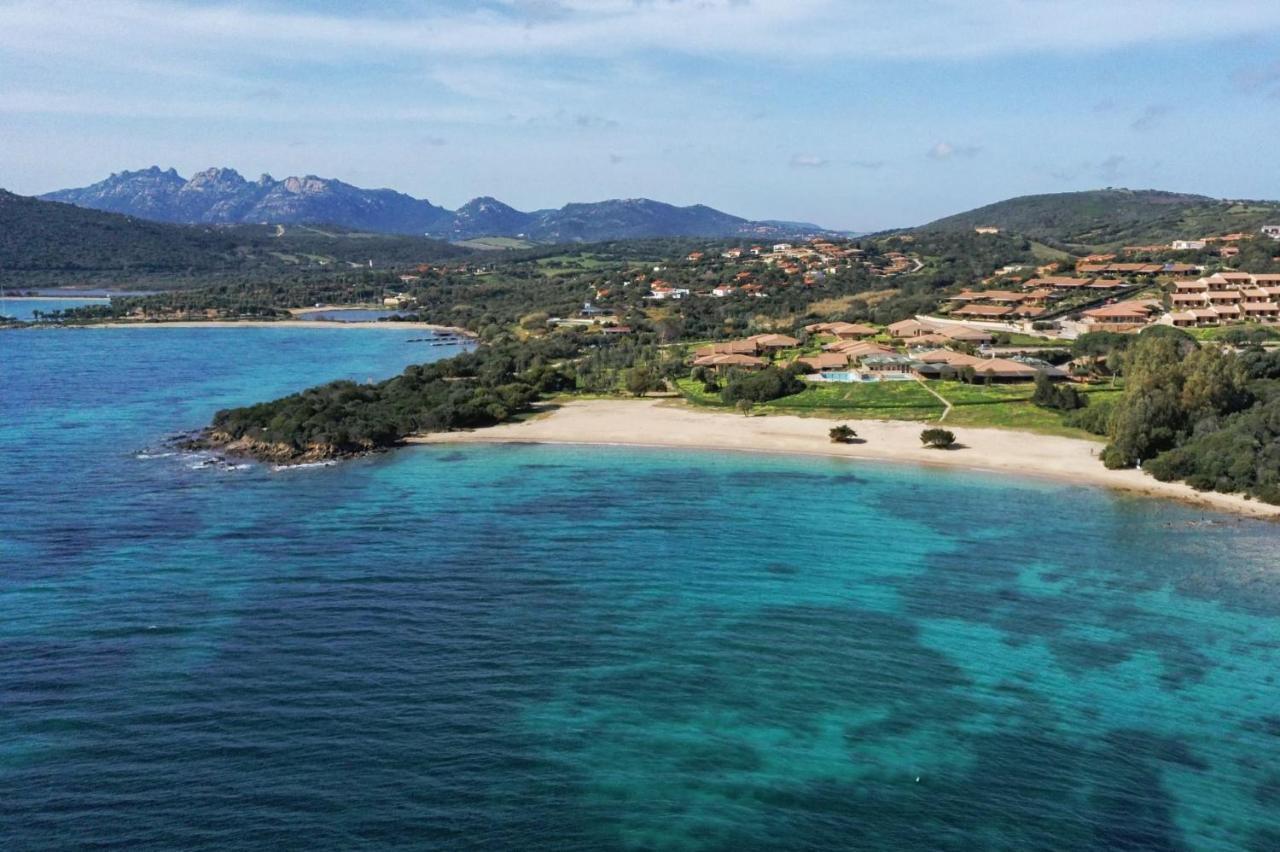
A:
[947,150]
[808,161]
[779,29]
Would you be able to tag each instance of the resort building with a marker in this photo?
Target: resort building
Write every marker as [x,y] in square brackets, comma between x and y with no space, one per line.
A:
[1122,316]
[842,330]
[825,362]
[726,361]
[1225,297]
[774,342]
[730,347]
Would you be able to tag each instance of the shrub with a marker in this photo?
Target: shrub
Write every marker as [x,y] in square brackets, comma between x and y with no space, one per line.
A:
[1094,418]
[841,434]
[938,438]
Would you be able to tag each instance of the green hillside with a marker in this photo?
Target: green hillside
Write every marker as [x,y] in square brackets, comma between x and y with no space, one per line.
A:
[1108,218]
[48,242]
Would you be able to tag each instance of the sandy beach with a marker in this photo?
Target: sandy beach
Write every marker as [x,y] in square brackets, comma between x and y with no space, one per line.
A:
[667,423]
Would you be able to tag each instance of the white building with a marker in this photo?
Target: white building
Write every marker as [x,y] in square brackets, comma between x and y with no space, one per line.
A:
[1272,231]
[1188,245]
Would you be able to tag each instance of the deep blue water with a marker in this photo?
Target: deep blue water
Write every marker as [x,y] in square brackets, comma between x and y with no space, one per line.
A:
[570,648]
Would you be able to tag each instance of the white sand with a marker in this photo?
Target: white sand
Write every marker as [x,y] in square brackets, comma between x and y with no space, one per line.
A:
[661,423]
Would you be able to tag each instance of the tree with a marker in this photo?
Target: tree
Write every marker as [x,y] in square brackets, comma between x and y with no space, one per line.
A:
[1214,384]
[1149,416]
[841,434]
[641,380]
[938,438]
[1060,397]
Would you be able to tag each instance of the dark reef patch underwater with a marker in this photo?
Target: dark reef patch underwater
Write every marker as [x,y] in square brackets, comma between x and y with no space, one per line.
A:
[594,648]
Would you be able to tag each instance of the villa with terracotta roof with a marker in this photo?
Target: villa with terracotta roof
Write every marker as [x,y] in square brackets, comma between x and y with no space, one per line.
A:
[731,347]
[730,360]
[1122,316]
[842,330]
[773,342]
[825,361]
[986,312]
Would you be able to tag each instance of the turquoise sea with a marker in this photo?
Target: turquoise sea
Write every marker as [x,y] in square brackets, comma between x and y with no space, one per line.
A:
[532,647]
[24,309]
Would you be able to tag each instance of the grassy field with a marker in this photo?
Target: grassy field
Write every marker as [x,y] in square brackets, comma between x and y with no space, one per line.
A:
[1010,407]
[495,243]
[864,400]
[566,264]
[989,406]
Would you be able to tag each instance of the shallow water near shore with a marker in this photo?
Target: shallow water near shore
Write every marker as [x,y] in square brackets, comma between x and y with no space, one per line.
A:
[25,308]
[594,648]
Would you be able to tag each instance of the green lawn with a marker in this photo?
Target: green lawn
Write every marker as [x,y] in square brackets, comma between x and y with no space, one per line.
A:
[1028,340]
[1010,407]
[865,400]
[566,264]
[496,243]
[991,406]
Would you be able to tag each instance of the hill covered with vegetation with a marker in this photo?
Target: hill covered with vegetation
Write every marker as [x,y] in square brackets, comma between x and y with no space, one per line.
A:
[1108,218]
[45,242]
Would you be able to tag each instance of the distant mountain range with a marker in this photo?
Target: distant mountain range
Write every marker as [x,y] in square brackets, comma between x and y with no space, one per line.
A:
[1111,217]
[42,241]
[223,196]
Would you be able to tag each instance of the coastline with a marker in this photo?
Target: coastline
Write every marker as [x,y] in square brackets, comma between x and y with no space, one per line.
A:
[67,298]
[663,423]
[294,323]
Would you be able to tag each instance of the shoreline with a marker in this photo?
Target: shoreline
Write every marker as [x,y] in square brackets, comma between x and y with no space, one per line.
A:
[291,323]
[68,298]
[662,424]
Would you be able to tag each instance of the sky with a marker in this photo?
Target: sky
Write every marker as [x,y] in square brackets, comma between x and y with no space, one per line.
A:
[849,113]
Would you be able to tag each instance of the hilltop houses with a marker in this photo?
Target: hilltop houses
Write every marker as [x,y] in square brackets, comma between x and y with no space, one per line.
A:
[661,290]
[1226,297]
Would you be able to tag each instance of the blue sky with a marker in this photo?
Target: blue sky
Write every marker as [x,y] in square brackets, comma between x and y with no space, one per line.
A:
[852,114]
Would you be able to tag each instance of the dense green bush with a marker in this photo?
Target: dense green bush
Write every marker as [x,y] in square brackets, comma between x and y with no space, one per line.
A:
[1059,397]
[769,383]
[475,389]
[938,438]
[1094,418]
[1240,454]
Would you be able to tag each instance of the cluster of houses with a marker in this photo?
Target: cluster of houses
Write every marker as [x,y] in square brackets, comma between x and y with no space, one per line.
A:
[921,349]
[1226,297]
[743,354]
[1123,316]
[811,262]
[1036,296]
[1107,267]
[1226,245]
